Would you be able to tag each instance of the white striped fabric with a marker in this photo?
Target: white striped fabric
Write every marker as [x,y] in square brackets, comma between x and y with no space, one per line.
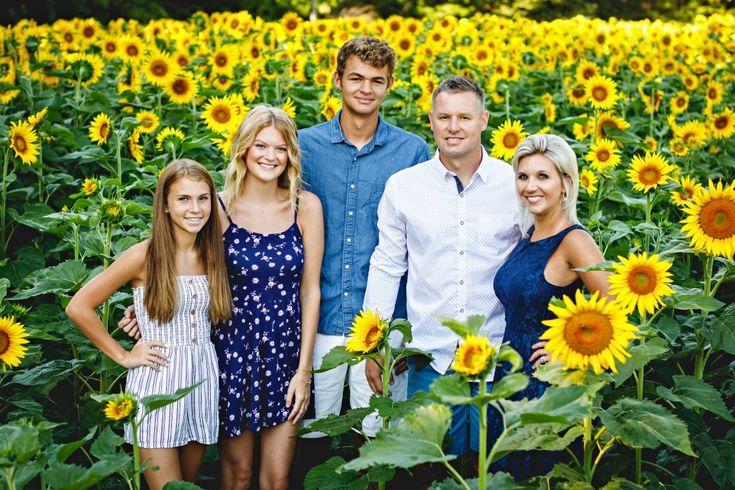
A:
[191,358]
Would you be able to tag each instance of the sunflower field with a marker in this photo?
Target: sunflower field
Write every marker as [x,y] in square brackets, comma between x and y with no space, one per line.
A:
[91,113]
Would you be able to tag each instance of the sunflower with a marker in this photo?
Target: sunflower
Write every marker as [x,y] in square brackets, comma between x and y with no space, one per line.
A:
[588,333]
[121,408]
[90,187]
[224,59]
[577,94]
[650,143]
[129,80]
[148,121]
[506,139]
[321,78]
[331,107]
[608,120]
[688,189]
[588,180]
[12,337]
[582,130]
[136,149]
[132,50]
[678,147]
[36,118]
[111,211]
[601,92]
[182,88]
[87,68]
[289,107]
[219,114]
[23,142]
[224,143]
[420,66]
[586,70]
[603,155]
[171,135]
[693,133]
[710,221]
[159,68]
[723,124]
[99,130]
[714,92]
[649,172]
[679,103]
[473,356]
[368,330]
[640,282]
[110,47]
[290,23]
[251,85]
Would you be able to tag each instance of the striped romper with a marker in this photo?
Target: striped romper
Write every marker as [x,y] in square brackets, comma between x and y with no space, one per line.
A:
[191,358]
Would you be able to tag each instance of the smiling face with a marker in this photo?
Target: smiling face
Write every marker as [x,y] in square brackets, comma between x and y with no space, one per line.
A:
[458,120]
[363,86]
[267,158]
[539,185]
[188,204]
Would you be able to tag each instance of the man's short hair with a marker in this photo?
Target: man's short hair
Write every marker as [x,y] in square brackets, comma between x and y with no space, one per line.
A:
[457,84]
[369,50]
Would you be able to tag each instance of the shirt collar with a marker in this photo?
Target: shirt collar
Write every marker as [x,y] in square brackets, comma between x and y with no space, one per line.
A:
[483,171]
[338,136]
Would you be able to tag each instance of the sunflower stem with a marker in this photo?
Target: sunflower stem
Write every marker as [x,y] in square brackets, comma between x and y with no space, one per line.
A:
[3,203]
[386,377]
[482,449]
[653,111]
[507,103]
[456,475]
[639,389]
[118,159]
[588,448]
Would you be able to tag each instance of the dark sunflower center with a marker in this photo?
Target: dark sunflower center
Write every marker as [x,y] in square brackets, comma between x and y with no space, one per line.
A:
[717,218]
[68,37]
[221,114]
[510,140]
[291,24]
[588,332]
[650,176]
[132,50]
[712,94]
[599,93]
[180,86]
[578,91]
[372,336]
[4,342]
[254,52]
[642,280]
[721,122]
[681,102]
[88,32]
[183,61]
[473,358]
[405,44]
[220,60]
[481,55]
[20,143]
[104,130]
[603,155]
[159,68]
[110,47]
[588,73]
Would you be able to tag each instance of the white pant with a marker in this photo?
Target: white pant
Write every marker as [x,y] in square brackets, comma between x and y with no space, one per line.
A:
[329,386]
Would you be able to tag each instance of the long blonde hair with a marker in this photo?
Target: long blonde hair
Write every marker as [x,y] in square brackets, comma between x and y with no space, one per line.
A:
[259,117]
[161,289]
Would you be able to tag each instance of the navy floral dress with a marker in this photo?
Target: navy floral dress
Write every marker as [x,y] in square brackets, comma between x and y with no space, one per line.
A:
[258,348]
[525,293]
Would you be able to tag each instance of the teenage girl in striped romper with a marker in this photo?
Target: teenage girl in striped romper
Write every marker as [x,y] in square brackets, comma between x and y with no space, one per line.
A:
[180,289]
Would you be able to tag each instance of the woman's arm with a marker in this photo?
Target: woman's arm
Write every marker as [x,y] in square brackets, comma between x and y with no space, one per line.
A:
[82,310]
[311,222]
[582,251]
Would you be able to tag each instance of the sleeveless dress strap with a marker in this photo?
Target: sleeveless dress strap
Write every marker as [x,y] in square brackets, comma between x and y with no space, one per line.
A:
[219,198]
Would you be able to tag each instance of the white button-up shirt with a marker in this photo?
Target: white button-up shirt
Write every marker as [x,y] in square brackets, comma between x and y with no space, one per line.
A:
[452,241]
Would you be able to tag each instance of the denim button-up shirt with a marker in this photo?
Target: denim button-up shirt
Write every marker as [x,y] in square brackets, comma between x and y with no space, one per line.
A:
[349,183]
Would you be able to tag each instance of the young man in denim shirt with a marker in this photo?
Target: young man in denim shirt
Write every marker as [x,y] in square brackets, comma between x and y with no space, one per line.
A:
[346,162]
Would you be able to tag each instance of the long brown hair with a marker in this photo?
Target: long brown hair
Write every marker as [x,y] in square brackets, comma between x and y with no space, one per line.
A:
[161,289]
[259,117]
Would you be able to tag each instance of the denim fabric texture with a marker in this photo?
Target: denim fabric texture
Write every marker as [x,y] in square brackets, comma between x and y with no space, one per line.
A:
[349,183]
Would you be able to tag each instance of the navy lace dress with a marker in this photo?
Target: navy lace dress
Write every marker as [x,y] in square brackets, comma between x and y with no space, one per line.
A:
[525,293]
[258,348]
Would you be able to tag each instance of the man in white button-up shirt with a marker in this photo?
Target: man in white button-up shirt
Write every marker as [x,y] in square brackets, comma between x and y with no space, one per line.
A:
[450,222]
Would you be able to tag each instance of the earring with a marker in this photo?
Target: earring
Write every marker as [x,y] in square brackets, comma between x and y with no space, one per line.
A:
[166,211]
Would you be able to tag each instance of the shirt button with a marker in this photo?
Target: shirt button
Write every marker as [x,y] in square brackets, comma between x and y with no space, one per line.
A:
[347,266]
[352,186]
[350,213]
[461,310]
[461,252]
[346,293]
[194,296]
[349,240]
[461,194]
[194,341]
[461,222]
[190,281]
[193,311]
[461,282]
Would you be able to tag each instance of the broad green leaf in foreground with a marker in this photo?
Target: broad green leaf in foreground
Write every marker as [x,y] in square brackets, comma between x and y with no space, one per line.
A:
[416,439]
[334,425]
[693,392]
[641,423]
[154,402]
[545,437]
